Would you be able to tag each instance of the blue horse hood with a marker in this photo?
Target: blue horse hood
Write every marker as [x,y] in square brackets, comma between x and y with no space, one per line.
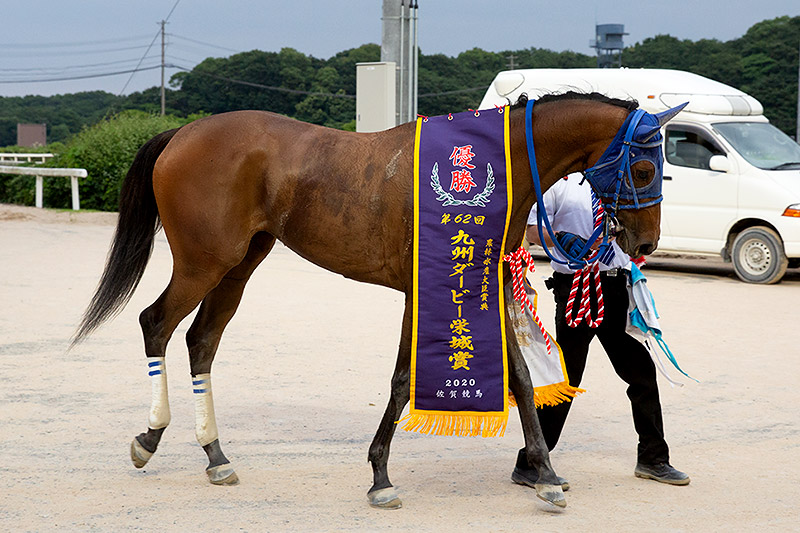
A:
[639,139]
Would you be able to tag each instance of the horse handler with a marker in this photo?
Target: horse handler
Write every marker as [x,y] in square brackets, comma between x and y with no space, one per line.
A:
[573,213]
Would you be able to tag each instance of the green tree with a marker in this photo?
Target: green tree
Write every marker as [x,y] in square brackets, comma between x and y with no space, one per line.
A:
[763,63]
[769,66]
[106,150]
[70,110]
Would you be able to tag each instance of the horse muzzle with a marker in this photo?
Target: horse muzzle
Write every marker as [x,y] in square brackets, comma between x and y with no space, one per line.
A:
[635,246]
[634,243]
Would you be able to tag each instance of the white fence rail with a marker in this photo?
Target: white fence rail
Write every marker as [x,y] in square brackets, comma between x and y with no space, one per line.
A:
[40,173]
[17,159]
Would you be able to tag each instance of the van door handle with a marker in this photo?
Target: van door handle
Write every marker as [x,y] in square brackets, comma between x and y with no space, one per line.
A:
[668,178]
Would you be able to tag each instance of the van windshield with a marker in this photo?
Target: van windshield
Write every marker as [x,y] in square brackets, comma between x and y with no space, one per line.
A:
[762,144]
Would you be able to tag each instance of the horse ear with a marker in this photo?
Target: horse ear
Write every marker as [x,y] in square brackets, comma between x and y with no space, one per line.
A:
[647,129]
[669,114]
[644,132]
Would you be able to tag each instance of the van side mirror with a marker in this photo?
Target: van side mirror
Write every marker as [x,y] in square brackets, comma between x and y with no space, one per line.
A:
[719,163]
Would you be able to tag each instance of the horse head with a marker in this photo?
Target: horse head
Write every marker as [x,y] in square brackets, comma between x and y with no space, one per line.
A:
[628,177]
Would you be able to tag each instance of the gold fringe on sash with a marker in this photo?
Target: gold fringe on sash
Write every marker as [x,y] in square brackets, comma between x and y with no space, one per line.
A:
[550,395]
[456,425]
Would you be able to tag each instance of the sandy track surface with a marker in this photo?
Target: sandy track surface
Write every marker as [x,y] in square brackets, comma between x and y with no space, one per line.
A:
[301,380]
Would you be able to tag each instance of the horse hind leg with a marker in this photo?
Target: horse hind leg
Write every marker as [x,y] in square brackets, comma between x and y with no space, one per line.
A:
[144,445]
[192,279]
[382,494]
[203,339]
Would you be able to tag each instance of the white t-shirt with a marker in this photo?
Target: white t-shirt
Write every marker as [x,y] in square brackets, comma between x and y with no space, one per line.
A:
[569,208]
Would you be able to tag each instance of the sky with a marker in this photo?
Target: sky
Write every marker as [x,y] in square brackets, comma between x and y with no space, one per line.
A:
[57,39]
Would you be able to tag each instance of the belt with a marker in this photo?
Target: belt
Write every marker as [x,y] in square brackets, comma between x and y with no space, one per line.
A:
[610,273]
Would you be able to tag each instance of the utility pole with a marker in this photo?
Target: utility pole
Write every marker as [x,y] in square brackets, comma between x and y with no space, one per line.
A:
[163,66]
[400,45]
[511,63]
[413,52]
[797,133]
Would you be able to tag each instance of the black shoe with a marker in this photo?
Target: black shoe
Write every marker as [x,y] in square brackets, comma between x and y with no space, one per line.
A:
[524,475]
[661,472]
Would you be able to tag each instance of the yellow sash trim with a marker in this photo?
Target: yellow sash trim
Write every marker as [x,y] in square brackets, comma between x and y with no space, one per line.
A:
[457,424]
[415,293]
[501,293]
[551,395]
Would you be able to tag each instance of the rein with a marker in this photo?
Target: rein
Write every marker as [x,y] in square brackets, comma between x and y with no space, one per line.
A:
[582,277]
[611,179]
[586,269]
[574,263]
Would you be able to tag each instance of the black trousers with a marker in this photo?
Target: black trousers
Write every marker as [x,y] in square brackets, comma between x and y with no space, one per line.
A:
[628,357]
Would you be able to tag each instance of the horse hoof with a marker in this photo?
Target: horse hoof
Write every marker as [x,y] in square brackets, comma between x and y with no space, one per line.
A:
[222,475]
[139,455]
[551,494]
[386,498]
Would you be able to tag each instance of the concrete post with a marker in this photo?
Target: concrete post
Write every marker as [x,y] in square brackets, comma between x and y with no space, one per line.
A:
[39,191]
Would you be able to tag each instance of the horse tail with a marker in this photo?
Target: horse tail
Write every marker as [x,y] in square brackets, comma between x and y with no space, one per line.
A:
[133,241]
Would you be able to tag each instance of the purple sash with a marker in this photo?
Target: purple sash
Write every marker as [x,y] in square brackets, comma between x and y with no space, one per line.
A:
[459,375]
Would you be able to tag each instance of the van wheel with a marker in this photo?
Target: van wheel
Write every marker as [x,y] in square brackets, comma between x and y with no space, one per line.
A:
[758,256]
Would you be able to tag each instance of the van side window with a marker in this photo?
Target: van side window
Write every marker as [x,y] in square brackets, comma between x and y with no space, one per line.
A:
[689,148]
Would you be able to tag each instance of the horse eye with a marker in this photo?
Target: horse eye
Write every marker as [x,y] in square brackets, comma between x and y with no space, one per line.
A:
[642,173]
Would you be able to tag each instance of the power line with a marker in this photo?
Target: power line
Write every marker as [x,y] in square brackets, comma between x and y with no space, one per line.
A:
[74,52]
[195,41]
[74,43]
[174,57]
[85,76]
[454,92]
[310,93]
[45,70]
[197,52]
[171,10]
[134,71]
[261,86]
[150,46]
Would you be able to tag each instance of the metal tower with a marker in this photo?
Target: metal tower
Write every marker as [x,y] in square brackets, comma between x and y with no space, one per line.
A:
[609,45]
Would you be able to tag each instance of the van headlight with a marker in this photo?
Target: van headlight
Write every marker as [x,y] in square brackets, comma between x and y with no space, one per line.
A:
[792,211]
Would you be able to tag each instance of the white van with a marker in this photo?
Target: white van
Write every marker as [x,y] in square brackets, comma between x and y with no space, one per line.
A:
[731,179]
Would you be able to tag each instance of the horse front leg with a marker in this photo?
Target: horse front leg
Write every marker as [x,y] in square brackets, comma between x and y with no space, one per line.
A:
[382,494]
[548,488]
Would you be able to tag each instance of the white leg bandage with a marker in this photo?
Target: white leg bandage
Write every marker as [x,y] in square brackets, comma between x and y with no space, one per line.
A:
[159,404]
[205,428]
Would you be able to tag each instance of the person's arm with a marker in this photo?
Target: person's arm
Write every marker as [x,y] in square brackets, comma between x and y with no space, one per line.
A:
[532,234]
[573,243]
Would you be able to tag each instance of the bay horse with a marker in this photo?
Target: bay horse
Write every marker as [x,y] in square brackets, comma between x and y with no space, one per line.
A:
[226,187]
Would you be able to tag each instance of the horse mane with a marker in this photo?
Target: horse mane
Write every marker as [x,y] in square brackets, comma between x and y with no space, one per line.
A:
[630,104]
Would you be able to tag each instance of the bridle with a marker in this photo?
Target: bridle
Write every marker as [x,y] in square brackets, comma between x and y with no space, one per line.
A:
[638,139]
[613,169]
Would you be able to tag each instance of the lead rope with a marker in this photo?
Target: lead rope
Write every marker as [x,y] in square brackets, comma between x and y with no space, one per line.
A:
[582,277]
[514,261]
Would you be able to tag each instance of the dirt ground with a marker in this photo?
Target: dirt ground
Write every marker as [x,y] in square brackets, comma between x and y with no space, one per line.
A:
[301,381]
